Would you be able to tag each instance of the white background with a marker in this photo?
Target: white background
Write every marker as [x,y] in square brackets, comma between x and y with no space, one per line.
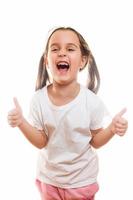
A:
[107,26]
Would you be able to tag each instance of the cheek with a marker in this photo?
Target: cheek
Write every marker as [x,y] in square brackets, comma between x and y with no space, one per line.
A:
[77,59]
[51,57]
[51,67]
[50,62]
[77,64]
[75,69]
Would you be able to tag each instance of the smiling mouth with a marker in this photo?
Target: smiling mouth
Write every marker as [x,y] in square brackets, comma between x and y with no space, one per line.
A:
[63,66]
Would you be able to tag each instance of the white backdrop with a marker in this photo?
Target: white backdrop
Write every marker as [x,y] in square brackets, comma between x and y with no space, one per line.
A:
[107,26]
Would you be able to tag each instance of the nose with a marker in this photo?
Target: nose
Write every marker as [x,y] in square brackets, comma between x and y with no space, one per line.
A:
[62,53]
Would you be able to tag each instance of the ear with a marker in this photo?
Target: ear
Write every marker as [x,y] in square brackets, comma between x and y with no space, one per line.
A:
[83,62]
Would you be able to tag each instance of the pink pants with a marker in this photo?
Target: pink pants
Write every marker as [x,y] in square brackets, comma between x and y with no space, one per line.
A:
[49,192]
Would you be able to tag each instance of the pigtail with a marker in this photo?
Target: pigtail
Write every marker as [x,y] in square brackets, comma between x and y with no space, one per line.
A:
[94,77]
[42,77]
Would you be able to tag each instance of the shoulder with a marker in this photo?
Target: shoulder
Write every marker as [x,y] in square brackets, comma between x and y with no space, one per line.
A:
[38,95]
[92,98]
[94,103]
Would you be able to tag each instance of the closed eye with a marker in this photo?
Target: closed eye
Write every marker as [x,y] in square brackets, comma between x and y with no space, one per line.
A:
[54,50]
[70,49]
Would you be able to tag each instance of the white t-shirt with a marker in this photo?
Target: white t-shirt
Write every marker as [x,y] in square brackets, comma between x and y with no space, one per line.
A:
[68,160]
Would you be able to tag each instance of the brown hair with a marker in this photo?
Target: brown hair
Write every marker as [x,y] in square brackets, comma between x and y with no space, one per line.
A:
[93,82]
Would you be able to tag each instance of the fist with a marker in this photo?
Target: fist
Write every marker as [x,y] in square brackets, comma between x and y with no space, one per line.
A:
[15,116]
[119,124]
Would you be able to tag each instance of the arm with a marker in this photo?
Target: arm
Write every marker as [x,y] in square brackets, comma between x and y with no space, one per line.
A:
[15,118]
[118,126]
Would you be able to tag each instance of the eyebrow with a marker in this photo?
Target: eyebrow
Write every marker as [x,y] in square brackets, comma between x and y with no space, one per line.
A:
[68,44]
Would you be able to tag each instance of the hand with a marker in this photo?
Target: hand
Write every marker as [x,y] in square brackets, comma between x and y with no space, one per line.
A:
[119,124]
[15,116]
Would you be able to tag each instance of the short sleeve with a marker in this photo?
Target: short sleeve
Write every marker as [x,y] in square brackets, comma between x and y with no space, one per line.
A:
[100,116]
[35,117]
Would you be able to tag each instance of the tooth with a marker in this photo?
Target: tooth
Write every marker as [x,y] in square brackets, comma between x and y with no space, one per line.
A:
[62,63]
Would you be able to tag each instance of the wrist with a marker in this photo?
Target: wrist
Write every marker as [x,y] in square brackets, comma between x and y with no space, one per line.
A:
[21,122]
[111,129]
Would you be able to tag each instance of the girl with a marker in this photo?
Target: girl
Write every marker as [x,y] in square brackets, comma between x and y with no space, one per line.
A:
[66,119]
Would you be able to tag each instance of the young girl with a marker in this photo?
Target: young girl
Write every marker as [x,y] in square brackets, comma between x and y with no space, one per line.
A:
[66,119]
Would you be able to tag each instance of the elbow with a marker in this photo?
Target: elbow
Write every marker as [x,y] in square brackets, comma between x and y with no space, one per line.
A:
[95,146]
[42,142]
[41,145]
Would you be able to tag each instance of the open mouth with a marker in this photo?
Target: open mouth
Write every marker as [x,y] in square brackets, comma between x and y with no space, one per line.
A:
[63,66]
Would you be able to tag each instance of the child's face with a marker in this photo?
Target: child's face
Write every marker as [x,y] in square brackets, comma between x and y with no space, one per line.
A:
[64,57]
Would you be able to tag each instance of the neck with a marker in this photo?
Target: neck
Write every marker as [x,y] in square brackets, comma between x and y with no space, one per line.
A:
[65,90]
[63,94]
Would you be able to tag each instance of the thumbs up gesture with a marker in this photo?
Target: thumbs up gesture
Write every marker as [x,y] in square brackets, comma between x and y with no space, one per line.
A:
[119,124]
[15,116]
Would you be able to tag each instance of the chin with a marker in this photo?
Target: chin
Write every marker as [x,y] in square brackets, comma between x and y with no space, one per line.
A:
[63,82]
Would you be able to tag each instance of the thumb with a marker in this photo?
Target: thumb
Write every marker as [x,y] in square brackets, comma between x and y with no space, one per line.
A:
[16,103]
[122,112]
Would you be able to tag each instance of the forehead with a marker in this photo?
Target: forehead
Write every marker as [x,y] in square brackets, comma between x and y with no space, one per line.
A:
[64,37]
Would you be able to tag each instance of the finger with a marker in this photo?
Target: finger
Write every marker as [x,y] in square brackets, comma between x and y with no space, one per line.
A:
[12,117]
[121,129]
[122,112]
[121,132]
[119,126]
[16,103]
[12,112]
[121,122]
[13,122]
